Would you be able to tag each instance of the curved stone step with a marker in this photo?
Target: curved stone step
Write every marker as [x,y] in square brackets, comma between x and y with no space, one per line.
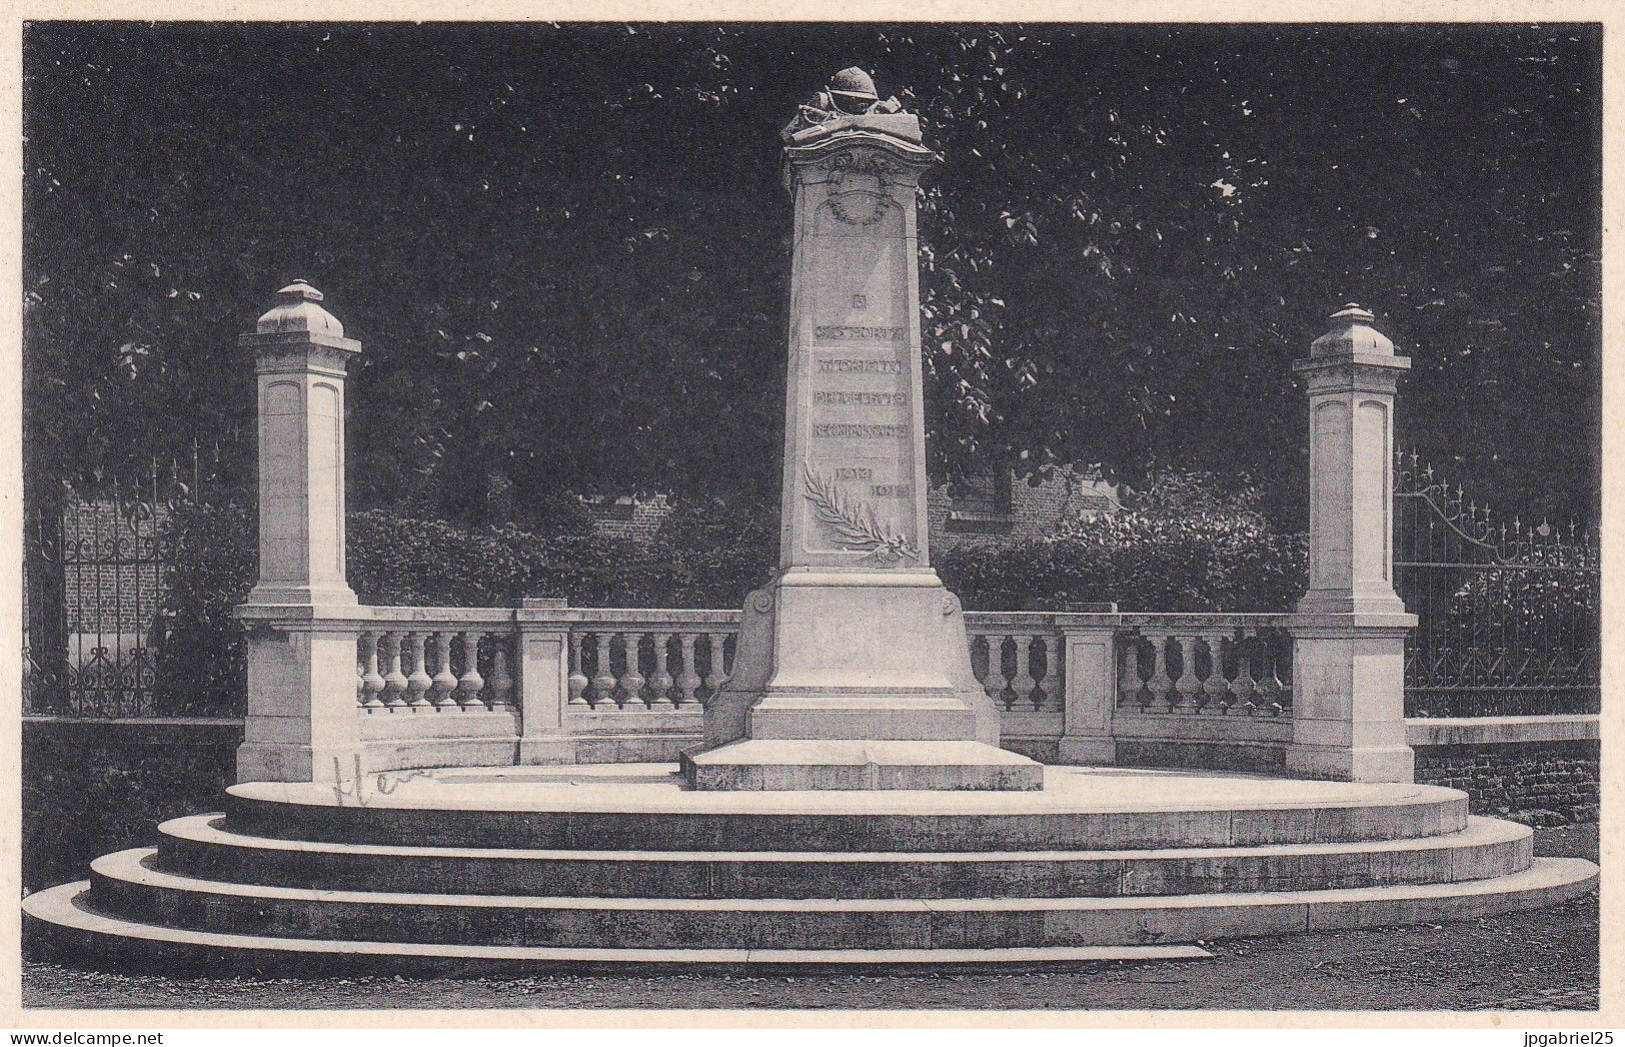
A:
[200,846]
[57,923]
[646,808]
[125,885]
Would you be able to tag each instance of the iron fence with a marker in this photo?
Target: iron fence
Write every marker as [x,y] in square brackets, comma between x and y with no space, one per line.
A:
[99,563]
[1508,612]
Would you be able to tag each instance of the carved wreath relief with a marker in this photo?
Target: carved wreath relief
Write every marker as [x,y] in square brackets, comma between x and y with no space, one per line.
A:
[851,199]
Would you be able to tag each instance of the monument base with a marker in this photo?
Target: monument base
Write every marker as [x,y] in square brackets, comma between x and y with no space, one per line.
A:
[854,681]
[1344,764]
[766,764]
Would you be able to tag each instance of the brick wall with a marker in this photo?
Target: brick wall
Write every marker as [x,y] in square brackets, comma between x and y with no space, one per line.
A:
[1035,511]
[91,788]
[112,581]
[629,519]
[1537,783]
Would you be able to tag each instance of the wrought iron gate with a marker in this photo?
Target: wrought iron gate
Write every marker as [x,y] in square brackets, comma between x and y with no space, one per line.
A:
[1508,613]
[98,565]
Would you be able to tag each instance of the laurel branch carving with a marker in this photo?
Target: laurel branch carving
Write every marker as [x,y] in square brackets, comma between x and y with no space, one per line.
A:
[855,524]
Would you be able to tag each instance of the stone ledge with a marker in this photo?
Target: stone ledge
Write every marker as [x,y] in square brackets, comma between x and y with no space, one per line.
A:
[136,730]
[1502,730]
[767,764]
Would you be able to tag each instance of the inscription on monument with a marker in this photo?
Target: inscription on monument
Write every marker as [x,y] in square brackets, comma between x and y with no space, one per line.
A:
[845,333]
[842,397]
[860,455]
[827,365]
[855,431]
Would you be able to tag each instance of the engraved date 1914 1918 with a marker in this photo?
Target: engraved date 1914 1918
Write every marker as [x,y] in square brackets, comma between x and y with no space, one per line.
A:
[855,523]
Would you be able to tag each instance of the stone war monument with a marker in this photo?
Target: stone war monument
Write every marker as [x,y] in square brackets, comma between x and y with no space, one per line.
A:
[425,789]
[853,670]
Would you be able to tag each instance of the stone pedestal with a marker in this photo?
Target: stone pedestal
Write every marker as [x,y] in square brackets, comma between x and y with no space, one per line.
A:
[1091,694]
[544,667]
[300,723]
[1348,705]
[853,669]
[1348,717]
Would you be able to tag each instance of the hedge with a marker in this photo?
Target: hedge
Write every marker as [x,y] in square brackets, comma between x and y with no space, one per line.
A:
[1184,544]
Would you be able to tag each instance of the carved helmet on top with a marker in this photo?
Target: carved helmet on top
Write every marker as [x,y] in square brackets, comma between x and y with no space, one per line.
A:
[853,91]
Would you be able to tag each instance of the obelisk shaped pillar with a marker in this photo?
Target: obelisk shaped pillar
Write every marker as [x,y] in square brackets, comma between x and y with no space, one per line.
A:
[853,670]
[854,445]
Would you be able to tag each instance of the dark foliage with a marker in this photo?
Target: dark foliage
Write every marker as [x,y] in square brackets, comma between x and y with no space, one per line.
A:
[1183,544]
[717,552]
[200,663]
[402,560]
[565,246]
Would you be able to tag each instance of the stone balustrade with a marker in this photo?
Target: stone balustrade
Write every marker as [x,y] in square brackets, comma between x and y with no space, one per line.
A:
[657,665]
[1018,664]
[633,683]
[1205,664]
[417,660]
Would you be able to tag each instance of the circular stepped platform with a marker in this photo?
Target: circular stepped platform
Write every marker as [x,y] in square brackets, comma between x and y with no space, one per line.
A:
[646,807]
[467,869]
[201,846]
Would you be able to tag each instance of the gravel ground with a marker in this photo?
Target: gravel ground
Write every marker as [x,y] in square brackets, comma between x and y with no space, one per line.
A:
[1544,960]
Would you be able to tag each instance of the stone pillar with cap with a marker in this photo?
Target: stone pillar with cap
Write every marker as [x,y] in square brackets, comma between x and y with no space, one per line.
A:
[1348,716]
[301,723]
[853,670]
[300,355]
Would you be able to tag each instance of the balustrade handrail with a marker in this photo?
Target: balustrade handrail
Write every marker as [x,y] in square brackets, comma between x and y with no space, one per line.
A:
[622,658]
[430,617]
[645,617]
[722,618]
[1205,620]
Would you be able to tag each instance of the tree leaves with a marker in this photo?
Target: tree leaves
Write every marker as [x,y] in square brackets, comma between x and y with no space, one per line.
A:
[1136,230]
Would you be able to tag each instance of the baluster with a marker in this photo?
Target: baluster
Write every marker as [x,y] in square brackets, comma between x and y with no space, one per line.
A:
[360,676]
[632,679]
[577,680]
[1044,688]
[1130,687]
[1244,686]
[1271,689]
[1285,696]
[603,684]
[501,681]
[1216,687]
[660,682]
[394,679]
[718,674]
[419,682]
[1188,689]
[471,683]
[1161,685]
[1022,684]
[371,682]
[994,684]
[445,681]
[688,680]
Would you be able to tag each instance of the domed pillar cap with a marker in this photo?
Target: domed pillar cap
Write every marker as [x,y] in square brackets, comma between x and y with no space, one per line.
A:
[1352,334]
[297,311]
